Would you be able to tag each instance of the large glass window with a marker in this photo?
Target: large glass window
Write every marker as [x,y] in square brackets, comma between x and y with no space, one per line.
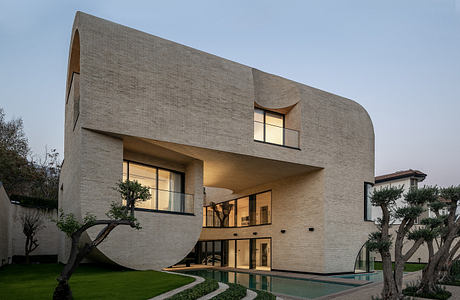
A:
[268,127]
[210,216]
[247,211]
[262,252]
[146,176]
[242,254]
[242,212]
[231,254]
[166,187]
[259,125]
[231,216]
[263,208]
[252,253]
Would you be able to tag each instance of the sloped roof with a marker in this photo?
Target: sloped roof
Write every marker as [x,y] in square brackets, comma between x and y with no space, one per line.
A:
[400,174]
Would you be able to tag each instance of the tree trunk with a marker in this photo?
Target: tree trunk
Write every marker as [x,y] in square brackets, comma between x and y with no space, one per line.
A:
[389,286]
[62,290]
[433,271]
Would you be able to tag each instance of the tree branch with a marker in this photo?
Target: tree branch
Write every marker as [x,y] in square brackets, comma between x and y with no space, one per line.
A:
[414,248]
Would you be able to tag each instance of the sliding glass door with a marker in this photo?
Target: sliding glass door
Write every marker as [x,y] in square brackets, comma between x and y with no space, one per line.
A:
[242,253]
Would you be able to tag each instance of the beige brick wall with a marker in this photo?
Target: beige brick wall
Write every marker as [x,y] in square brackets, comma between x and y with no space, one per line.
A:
[12,239]
[296,205]
[5,227]
[48,238]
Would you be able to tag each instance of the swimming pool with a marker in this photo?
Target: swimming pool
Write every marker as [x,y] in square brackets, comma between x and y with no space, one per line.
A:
[374,277]
[276,284]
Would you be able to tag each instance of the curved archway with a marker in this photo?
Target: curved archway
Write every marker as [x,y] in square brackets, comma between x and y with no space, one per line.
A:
[364,262]
[74,59]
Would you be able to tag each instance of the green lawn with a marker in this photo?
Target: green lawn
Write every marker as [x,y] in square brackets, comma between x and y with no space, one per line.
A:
[407,267]
[88,282]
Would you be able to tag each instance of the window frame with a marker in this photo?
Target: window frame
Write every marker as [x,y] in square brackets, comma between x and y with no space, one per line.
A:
[265,126]
[182,187]
[251,197]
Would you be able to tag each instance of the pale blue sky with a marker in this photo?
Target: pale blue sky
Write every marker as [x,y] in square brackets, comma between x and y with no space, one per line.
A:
[399,59]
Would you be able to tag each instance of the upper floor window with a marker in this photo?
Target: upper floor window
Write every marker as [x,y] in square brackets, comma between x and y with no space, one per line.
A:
[246,211]
[368,187]
[166,188]
[269,127]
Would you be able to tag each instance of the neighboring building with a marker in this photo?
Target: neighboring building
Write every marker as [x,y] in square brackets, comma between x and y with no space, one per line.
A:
[407,179]
[292,159]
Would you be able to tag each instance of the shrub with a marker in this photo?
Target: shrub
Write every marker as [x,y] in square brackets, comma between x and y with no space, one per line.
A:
[263,295]
[454,274]
[199,290]
[439,292]
[34,202]
[234,292]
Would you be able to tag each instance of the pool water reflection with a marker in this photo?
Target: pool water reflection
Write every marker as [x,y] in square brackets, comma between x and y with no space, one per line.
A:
[276,284]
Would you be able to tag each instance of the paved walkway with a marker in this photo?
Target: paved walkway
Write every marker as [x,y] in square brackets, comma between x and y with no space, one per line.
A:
[179,289]
[375,289]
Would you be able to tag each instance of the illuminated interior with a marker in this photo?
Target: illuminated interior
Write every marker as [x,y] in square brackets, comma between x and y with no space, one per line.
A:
[246,211]
[166,187]
[268,127]
[240,253]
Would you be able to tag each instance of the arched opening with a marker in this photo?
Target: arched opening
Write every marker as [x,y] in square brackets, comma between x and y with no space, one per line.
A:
[74,61]
[364,261]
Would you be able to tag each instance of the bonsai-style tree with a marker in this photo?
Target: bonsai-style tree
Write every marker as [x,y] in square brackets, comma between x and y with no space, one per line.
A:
[444,230]
[131,191]
[382,240]
[223,213]
[32,223]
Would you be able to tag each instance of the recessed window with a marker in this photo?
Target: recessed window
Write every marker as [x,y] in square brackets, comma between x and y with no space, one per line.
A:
[246,211]
[166,188]
[269,127]
[368,187]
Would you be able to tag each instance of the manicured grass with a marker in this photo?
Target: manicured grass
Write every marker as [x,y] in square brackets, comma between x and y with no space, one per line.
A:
[88,282]
[407,267]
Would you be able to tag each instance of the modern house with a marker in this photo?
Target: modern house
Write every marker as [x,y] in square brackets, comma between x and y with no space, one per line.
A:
[291,160]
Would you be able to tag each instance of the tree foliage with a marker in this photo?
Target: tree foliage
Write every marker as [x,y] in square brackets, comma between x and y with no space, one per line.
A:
[20,172]
[118,214]
[382,241]
[222,212]
[442,238]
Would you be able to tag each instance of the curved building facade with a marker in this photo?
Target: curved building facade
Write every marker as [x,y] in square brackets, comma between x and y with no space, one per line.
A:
[197,128]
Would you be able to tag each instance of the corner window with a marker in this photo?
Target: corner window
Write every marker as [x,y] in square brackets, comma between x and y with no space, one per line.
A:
[269,127]
[368,187]
[166,188]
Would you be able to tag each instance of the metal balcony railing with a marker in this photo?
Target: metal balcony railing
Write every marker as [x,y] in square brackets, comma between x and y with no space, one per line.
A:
[168,201]
[277,135]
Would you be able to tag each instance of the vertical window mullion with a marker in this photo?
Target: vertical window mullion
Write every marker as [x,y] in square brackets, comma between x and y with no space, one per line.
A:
[235,219]
[265,125]
[284,131]
[156,189]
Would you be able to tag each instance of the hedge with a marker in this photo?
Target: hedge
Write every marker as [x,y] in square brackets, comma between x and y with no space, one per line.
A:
[34,202]
[234,292]
[197,291]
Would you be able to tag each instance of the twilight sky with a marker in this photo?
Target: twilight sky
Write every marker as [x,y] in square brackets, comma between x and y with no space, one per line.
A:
[399,59]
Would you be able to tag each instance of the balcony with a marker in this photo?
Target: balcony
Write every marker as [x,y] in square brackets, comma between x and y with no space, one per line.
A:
[276,135]
[167,202]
